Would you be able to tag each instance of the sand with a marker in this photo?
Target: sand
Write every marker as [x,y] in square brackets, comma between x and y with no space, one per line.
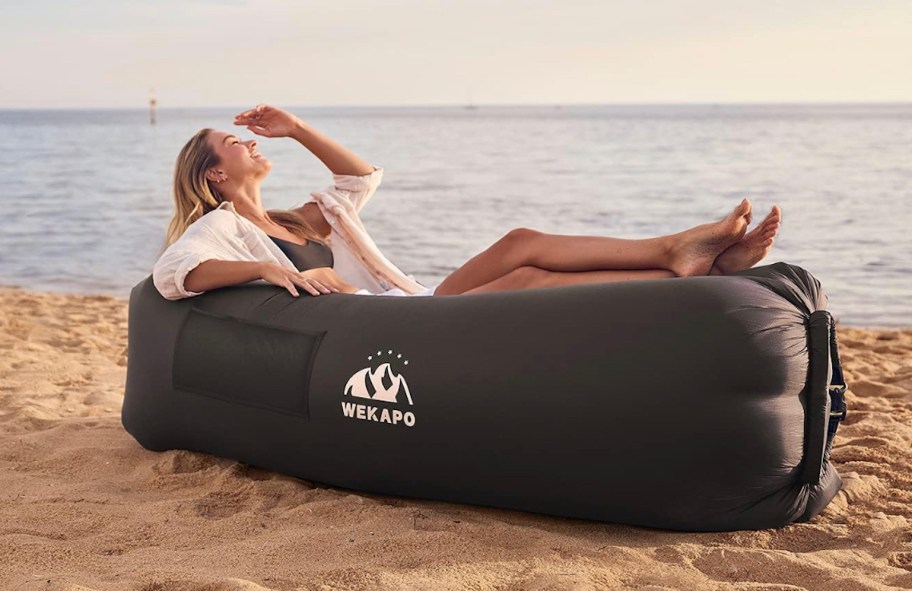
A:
[83,506]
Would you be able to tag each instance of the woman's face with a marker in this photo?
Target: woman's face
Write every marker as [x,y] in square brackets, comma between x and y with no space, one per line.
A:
[238,160]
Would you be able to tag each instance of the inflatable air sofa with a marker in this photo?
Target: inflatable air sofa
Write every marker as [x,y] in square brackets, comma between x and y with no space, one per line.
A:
[695,404]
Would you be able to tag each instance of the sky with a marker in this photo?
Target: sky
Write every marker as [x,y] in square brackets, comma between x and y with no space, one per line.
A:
[196,53]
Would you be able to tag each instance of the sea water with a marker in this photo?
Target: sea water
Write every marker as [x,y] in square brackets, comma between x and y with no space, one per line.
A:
[86,194]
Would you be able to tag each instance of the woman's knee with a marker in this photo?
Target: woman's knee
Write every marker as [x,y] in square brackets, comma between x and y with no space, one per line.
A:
[516,247]
[520,234]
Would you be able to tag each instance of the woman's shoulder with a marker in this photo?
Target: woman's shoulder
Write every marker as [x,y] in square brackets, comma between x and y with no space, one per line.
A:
[217,227]
[221,218]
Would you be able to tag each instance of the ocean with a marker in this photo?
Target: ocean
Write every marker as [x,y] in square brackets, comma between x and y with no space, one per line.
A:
[86,193]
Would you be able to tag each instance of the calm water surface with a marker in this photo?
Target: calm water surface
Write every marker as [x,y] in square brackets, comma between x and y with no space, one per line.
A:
[86,194]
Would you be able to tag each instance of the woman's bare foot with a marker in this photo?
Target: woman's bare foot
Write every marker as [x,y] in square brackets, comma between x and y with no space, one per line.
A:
[693,251]
[751,249]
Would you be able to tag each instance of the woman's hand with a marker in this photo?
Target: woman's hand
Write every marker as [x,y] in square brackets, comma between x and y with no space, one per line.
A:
[314,281]
[268,121]
[327,276]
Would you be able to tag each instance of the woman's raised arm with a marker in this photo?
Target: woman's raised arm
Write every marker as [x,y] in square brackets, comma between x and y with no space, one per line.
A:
[336,157]
[270,121]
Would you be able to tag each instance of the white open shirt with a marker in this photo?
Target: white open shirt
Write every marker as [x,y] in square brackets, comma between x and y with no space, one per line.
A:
[223,234]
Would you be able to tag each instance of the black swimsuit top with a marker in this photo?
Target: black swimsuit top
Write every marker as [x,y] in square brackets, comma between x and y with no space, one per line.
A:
[306,256]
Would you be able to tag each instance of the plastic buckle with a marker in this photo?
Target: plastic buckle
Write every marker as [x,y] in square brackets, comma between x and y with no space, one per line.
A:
[839,415]
[836,393]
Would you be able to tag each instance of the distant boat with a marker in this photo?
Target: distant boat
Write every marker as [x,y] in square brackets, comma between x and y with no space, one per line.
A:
[470,107]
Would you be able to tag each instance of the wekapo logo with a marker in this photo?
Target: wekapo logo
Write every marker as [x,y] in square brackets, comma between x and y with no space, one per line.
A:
[379,385]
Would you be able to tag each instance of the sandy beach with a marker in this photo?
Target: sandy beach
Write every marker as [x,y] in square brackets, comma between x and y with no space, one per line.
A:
[84,507]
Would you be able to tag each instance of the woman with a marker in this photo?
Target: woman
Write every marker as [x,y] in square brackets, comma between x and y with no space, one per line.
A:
[221,235]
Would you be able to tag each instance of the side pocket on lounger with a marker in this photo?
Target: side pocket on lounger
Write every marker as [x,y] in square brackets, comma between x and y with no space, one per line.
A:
[245,362]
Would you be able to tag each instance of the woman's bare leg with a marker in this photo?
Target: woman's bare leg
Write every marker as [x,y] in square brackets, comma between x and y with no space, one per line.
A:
[690,252]
[528,277]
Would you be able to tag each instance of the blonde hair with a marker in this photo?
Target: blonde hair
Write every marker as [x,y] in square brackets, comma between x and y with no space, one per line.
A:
[195,195]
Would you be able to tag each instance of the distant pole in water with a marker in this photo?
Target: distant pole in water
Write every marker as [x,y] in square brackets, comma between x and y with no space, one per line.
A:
[469,104]
[152,103]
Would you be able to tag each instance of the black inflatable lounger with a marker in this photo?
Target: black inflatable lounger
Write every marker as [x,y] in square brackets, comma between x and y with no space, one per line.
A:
[697,404]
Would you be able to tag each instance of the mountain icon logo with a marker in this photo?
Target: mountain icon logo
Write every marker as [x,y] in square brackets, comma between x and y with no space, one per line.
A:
[379,385]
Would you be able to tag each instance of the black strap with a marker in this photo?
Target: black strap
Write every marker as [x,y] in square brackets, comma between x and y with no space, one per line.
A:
[825,396]
[837,389]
